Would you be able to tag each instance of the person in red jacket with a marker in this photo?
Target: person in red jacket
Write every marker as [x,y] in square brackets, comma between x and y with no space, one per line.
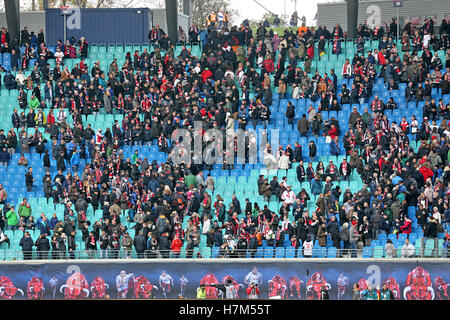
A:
[176,246]
[406,228]
[381,162]
[269,65]
[310,50]
[206,74]
[424,170]
[381,57]
[51,117]
[333,132]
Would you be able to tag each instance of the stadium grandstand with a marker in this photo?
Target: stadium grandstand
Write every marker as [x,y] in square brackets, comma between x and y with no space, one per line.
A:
[230,143]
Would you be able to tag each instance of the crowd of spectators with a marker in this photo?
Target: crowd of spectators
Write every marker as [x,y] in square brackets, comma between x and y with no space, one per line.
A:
[159,93]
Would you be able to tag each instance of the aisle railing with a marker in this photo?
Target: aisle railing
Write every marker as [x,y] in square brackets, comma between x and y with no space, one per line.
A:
[218,253]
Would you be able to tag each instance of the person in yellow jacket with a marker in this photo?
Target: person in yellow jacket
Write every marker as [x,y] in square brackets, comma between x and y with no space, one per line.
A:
[226,19]
[211,20]
[40,118]
[201,292]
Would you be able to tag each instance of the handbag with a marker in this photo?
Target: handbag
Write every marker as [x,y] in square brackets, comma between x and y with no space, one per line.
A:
[328,139]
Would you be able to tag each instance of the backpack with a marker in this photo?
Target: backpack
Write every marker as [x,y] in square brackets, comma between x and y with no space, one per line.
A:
[290,112]
[259,239]
[242,244]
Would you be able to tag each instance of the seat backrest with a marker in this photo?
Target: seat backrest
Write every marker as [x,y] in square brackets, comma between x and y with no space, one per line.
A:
[378,252]
[331,252]
[279,252]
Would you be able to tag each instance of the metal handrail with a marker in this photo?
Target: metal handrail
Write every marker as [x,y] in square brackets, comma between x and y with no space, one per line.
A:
[206,253]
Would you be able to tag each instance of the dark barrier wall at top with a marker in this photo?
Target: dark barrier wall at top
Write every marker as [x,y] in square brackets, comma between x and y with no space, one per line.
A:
[171,19]
[352,18]
[13,18]
[129,25]
[424,279]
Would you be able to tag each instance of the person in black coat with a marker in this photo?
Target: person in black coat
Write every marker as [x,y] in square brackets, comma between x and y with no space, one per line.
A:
[422,216]
[279,237]
[252,245]
[55,248]
[83,48]
[43,246]
[15,119]
[312,151]
[236,204]
[290,113]
[60,162]
[29,180]
[298,153]
[46,160]
[218,238]
[71,244]
[248,207]
[242,247]
[4,157]
[301,173]
[14,60]
[431,228]
[10,81]
[24,36]
[40,144]
[164,245]
[140,244]
[301,231]
[27,246]
[96,229]
[333,230]
[40,37]
[91,244]
[103,243]
[413,194]
[114,244]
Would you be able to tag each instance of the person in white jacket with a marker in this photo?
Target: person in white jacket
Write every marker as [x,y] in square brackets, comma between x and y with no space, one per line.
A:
[269,159]
[20,78]
[295,91]
[346,69]
[230,124]
[288,196]
[408,250]
[283,162]
[308,247]
[206,225]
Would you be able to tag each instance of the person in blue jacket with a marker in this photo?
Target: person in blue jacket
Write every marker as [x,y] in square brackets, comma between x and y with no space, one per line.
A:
[316,186]
[4,157]
[75,159]
[53,221]
[203,36]
[334,147]
[14,60]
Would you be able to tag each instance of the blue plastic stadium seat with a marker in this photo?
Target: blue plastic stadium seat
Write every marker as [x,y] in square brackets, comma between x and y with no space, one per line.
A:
[259,252]
[382,237]
[279,252]
[331,252]
[290,252]
[367,252]
[374,243]
[268,252]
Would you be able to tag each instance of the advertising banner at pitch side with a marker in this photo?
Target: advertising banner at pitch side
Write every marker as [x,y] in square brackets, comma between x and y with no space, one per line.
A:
[172,279]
